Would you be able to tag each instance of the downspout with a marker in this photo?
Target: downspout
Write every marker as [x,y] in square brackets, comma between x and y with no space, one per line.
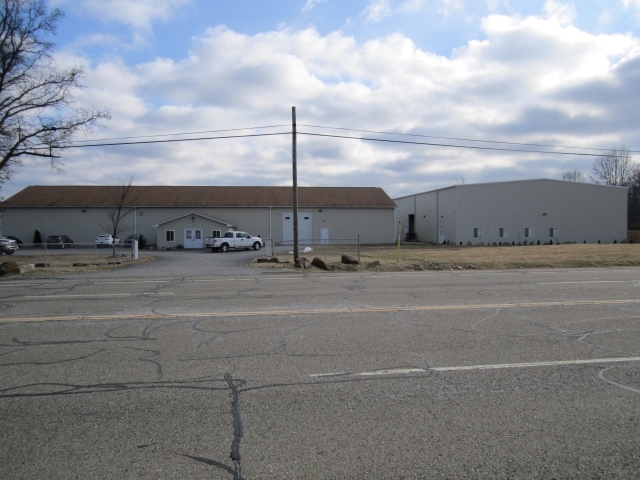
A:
[135,221]
[437,217]
[270,234]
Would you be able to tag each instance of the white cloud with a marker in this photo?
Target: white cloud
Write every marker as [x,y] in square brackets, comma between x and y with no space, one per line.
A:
[562,13]
[311,4]
[531,79]
[633,5]
[138,14]
[377,10]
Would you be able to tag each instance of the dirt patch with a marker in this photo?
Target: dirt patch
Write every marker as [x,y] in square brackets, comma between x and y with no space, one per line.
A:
[63,264]
[448,257]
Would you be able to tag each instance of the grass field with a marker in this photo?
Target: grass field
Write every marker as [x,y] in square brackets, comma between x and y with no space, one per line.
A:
[449,257]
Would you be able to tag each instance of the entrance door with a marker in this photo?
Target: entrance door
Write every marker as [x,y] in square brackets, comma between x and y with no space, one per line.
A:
[193,238]
[440,235]
[304,228]
[324,236]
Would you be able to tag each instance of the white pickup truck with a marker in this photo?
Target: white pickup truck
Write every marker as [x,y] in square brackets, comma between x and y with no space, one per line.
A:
[233,240]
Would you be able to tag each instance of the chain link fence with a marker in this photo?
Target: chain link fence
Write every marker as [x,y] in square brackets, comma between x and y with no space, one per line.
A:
[330,251]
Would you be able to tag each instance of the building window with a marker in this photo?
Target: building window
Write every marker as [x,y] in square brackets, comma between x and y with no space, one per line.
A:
[528,232]
[477,232]
[216,233]
[503,232]
[553,232]
[170,235]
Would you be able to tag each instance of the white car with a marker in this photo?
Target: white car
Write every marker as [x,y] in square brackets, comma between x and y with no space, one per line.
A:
[107,240]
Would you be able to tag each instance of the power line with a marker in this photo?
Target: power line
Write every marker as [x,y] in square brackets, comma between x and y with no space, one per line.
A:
[180,133]
[462,139]
[173,140]
[472,147]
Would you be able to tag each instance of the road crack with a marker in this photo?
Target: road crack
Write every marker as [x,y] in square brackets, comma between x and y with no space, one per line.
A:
[237,428]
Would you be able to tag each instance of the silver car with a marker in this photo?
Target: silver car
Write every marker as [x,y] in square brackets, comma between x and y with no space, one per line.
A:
[8,246]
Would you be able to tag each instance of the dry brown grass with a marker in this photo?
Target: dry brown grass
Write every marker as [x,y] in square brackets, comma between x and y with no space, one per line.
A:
[63,264]
[447,257]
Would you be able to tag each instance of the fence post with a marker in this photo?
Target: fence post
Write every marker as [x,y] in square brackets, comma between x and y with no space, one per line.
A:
[325,250]
[45,254]
[358,248]
[95,253]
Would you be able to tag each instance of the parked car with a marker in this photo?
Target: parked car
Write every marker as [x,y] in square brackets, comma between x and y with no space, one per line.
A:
[139,237]
[7,245]
[106,240]
[61,241]
[11,237]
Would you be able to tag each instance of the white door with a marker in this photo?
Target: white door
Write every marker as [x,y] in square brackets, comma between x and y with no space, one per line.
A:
[304,228]
[193,238]
[324,236]
[440,235]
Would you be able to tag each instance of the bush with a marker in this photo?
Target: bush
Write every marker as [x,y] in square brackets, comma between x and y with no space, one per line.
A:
[37,238]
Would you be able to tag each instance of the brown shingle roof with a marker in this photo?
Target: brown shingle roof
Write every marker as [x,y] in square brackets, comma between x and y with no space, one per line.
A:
[197,196]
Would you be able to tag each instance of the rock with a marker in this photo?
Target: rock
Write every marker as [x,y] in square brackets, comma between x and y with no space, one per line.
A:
[347,260]
[7,268]
[375,263]
[275,260]
[302,263]
[319,263]
[80,264]
[42,265]
[27,267]
[262,260]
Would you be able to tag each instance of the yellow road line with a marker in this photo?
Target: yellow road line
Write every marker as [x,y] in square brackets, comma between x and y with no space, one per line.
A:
[328,311]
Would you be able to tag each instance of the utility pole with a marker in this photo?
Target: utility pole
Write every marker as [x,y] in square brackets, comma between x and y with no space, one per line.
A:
[296,246]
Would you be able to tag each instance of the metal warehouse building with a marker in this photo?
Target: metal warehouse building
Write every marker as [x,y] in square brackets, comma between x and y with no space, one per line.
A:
[518,211]
[172,216]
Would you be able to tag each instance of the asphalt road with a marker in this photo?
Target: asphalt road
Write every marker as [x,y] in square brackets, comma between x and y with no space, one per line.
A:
[520,374]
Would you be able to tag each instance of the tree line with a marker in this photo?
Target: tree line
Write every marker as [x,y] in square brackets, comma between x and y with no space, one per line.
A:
[616,167]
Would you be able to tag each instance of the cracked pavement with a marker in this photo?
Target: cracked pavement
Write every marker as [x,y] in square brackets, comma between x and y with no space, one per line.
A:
[528,374]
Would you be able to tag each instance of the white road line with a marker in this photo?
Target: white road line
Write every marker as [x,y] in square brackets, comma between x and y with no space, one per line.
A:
[23,285]
[625,387]
[133,281]
[537,364]
[400,371]
[96,295]
[591,281]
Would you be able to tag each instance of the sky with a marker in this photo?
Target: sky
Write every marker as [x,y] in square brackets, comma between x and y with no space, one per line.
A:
[561,77]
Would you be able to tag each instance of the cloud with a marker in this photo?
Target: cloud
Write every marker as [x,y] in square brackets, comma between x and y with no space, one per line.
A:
[528,80]
[633,5]
[377,10]
[562,13]
[139,14]
[311,4]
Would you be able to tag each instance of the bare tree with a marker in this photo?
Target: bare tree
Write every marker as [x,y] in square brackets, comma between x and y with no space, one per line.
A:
[613,168]
[460,180]
[574,176]
[38,116]
[120,194]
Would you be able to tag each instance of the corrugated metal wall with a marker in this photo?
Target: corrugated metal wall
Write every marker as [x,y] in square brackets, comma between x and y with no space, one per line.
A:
[580,211]
[373,225]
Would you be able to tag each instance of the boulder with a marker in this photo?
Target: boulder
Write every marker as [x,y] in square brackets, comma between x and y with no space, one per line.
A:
[347,260]
[318,262]
[27,267]
[42,265]
[262,260]
[302,263]
[375,263]
[275,260]
[7,268]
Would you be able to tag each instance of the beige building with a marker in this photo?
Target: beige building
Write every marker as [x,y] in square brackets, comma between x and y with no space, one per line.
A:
[516,212]
[182,216]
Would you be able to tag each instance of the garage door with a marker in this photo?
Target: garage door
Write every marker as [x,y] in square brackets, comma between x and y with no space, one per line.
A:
[305,236]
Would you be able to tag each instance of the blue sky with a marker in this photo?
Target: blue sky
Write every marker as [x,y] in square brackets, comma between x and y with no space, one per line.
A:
[540,72]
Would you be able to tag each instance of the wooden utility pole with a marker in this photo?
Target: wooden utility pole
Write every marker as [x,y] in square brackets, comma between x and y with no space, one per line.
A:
[296,245]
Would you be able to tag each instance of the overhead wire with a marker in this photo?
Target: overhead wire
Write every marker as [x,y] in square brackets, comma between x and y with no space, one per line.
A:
[461,139]
[180,133]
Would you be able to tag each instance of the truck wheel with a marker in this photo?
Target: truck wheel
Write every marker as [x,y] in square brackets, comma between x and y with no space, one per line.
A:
[256,246]
[10,252]
[224,247]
